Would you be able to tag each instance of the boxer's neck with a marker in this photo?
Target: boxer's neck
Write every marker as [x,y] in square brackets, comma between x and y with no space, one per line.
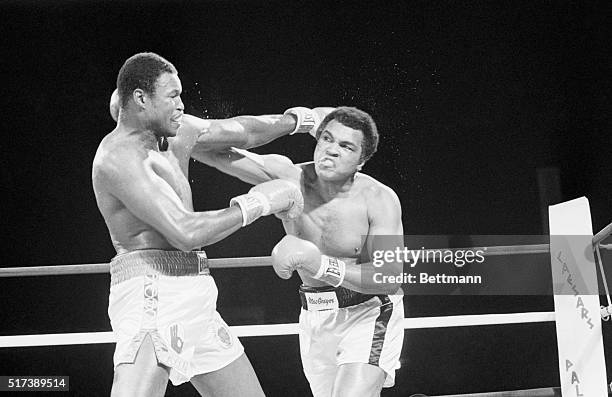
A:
[329,189]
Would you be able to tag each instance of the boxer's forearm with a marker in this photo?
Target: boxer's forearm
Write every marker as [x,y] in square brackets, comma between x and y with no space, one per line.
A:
[240,131]
[251,131]
[361,277]
[192,230]
[368,279]
[259,130]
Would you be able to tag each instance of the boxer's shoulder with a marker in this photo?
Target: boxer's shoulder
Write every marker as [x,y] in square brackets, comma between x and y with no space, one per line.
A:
[120,151]
[282,167]
[373,190]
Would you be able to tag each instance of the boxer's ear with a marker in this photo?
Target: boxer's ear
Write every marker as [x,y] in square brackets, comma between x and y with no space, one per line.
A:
[139,97]
[115,105]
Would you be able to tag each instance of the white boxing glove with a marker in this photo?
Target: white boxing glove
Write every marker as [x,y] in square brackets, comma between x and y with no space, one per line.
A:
[293,253]
[268,198]
[307,120]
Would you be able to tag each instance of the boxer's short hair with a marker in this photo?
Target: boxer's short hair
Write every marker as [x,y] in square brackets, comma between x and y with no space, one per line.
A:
[141,71]
[357,120]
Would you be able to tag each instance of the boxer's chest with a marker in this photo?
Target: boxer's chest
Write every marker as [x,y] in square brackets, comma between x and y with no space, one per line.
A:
[339,227]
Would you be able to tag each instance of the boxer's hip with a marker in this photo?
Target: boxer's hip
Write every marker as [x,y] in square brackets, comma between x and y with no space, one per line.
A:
[167,263]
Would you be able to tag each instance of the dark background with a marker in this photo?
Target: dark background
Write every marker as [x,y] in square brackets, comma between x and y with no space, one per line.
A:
[471,100]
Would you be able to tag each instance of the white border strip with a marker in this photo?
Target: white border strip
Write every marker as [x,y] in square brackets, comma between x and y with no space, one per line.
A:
[85,338]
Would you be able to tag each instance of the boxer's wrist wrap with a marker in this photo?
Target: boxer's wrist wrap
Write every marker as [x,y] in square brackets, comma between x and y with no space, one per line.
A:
[305,120]
[332,270]
[252,205]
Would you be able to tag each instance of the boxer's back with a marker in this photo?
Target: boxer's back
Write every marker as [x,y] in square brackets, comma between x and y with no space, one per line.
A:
[127,231]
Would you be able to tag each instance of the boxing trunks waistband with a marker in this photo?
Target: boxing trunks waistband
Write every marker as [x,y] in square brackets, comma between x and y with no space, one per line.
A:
[330,298]
[168,263]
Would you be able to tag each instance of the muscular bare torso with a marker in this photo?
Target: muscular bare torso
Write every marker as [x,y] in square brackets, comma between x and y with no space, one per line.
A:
[339,226]
[128,233]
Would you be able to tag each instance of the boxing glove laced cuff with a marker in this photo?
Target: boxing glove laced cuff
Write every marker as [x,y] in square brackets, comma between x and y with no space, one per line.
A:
[332,270]
[252,205]
[305,120]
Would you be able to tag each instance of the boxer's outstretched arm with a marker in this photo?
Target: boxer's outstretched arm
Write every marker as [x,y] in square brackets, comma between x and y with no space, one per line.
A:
[240,131]
[250,167]
[204,135]
[251,131]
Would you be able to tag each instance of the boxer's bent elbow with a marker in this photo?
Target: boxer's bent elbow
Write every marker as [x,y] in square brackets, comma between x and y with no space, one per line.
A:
[191,239]
[187,234]
[184,243]
[193,230]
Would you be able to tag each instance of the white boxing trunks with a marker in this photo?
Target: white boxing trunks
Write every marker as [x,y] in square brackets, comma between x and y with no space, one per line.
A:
[170,296]
[339,326]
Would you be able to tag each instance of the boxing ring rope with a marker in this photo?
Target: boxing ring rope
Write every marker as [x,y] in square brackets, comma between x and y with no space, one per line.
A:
[602,235]
[597,240]
[255,261]
[85,338]
[292,329]
[98,268]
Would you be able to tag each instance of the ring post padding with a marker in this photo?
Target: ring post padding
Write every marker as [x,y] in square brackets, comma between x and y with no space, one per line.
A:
[582,367]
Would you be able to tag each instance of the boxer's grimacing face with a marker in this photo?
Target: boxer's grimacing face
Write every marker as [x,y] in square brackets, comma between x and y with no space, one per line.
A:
[166,107]
[338,152]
